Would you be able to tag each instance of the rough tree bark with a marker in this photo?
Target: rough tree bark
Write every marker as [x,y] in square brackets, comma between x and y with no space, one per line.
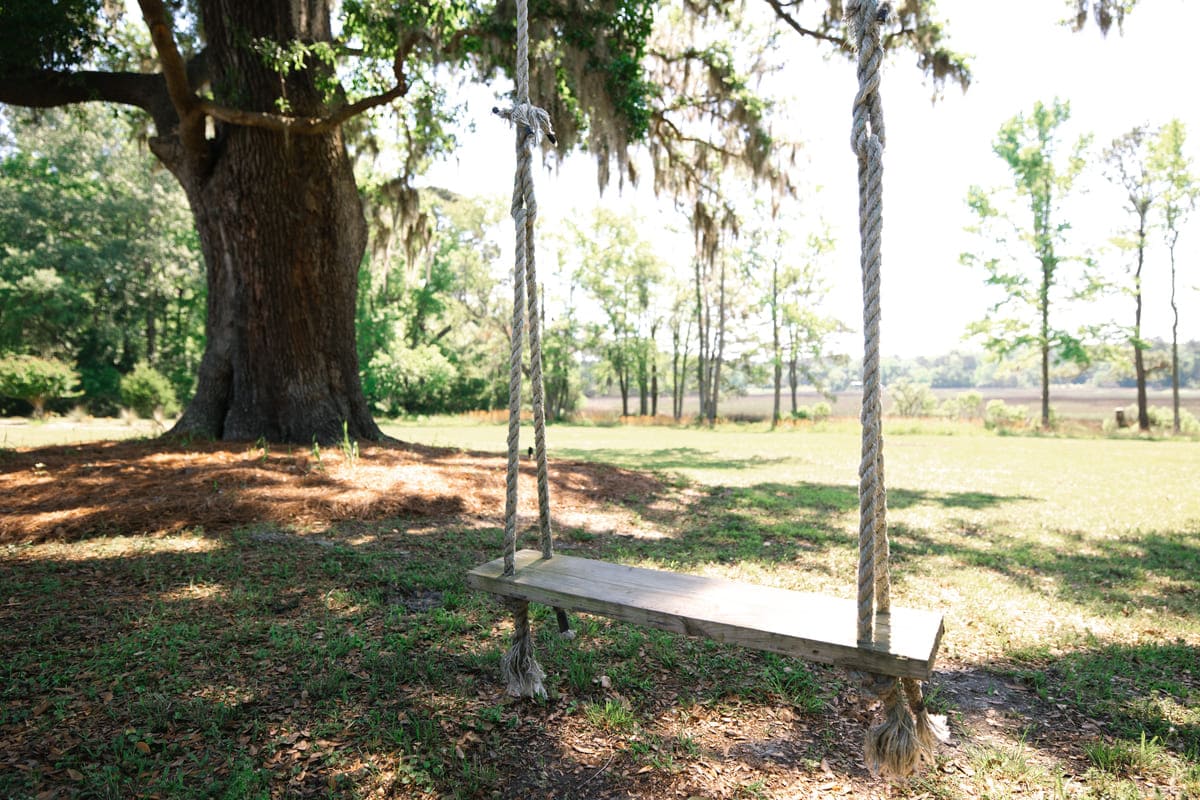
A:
[282,231]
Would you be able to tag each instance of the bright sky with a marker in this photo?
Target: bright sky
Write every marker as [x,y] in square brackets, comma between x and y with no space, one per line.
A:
[936,151]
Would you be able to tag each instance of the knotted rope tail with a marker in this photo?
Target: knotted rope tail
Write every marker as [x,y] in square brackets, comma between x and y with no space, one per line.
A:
[907,736]
[519,668]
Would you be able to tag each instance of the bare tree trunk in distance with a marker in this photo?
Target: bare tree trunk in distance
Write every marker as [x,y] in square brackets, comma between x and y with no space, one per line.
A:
[715,387]
[776,354]
[1139,364]
[704,327]
[1047,273]
[1174,340]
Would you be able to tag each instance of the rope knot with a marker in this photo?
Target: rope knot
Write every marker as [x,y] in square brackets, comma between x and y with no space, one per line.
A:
[533,120]
[865,19]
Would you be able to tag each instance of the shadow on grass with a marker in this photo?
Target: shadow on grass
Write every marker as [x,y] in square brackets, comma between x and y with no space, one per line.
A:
[668,458]
[767,522]
[274,662]
[1146,692]
[1161,569]
[771,523]
[77,492]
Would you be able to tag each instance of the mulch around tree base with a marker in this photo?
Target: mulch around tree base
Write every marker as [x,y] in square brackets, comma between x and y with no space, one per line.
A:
[144,487]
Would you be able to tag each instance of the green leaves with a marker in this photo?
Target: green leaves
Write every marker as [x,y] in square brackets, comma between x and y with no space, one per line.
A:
[35,34]
[36,380]
[1021,250]
[1180,186]
[147,391]
[99,263]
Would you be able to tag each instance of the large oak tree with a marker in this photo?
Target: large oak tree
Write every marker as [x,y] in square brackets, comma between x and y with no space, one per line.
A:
[250,106]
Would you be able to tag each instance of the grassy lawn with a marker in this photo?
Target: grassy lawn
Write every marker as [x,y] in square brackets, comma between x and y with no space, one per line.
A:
[350,661]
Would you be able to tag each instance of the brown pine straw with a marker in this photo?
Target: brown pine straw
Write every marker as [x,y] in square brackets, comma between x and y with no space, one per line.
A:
[159,487]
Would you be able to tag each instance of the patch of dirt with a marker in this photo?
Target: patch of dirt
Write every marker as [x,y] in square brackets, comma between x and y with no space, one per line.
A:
[158,487]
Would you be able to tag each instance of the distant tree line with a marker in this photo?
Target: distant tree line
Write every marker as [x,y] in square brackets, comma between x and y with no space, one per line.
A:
[100,273]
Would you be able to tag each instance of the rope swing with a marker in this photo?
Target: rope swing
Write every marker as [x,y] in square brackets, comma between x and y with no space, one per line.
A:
[891,649]
[519,666]
[908,734]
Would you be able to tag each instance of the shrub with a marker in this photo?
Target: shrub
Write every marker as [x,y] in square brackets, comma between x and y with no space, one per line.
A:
[412,381]
[999,415]
[146,391]
[101,384]
[965,405]
[911,399]
[1162,418]
[821,410]
[36,380]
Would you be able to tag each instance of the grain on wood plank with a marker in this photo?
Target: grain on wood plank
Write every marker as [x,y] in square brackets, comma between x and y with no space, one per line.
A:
[810,626]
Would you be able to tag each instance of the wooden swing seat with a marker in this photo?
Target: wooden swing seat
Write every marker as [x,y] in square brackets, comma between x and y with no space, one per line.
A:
[799,624]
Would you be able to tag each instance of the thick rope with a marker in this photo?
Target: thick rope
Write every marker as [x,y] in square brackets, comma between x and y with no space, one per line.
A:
[531,123]
[535,364]
[907,736]
[519,667]
[865,18]
[514,395]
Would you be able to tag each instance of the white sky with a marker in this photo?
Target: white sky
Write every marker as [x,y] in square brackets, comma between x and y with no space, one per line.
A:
[934,153]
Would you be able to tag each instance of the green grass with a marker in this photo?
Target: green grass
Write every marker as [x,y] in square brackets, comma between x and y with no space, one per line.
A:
[270,667]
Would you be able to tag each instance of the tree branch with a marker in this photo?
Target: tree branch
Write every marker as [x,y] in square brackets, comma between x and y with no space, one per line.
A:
[782,13]
[175,73]
[50,89]
[301,125]
[317,125]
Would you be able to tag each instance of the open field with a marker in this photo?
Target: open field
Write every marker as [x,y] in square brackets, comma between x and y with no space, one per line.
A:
[1068,401]
[1079,403]
[283,622]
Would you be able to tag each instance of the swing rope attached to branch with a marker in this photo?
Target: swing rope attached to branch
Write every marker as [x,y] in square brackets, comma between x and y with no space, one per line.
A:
[519,666]
[908,733]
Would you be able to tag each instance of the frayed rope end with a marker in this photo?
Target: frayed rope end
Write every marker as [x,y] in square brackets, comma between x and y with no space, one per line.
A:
[892,748]
[521,671]
[909,734]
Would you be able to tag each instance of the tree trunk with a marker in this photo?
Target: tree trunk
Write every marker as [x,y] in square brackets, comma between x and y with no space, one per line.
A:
[282,231]
[653,369]
[1044,301]
[676,384]
[702,326]
[643,388]
[1139,364]
[794,382]
[1174,342]
[776,353]
[623,383]
[151,333]
[715,386]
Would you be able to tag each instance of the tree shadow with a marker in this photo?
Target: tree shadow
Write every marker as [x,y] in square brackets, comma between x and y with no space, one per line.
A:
[766,522]
[1145,692]
[669,458]
[265,643]
[1153,567]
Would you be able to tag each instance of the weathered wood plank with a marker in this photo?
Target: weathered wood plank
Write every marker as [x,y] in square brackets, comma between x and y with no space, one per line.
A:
[801,624]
